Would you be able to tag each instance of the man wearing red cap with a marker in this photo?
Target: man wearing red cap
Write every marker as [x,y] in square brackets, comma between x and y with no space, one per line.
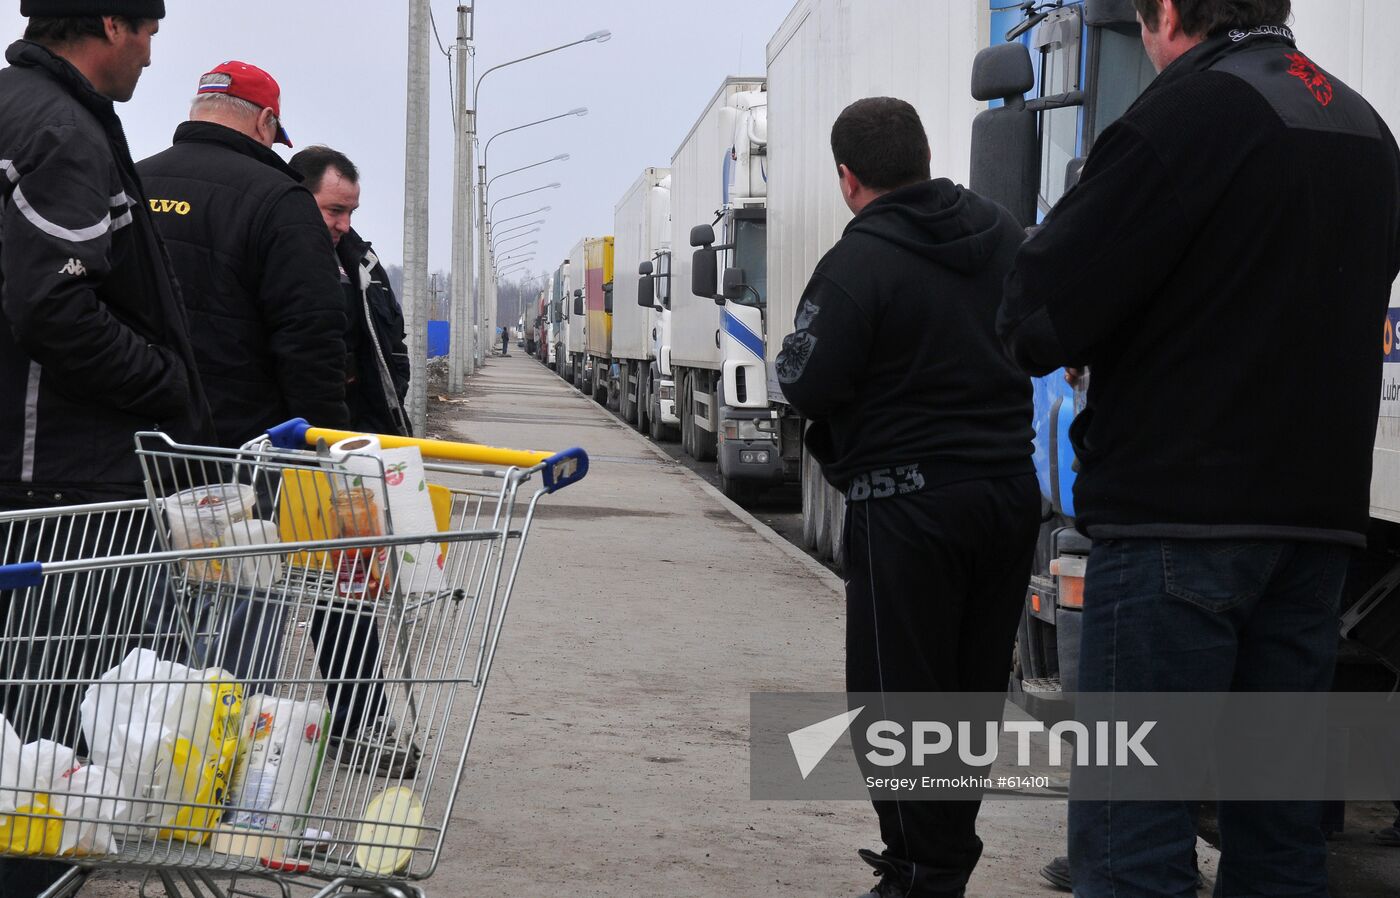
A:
[256,266]
[93,345]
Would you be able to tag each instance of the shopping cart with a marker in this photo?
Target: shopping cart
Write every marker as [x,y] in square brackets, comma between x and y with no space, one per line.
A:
[272,668]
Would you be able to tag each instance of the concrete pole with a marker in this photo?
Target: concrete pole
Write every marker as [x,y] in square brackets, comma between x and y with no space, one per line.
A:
[483,258]
[459,354]
[416,282]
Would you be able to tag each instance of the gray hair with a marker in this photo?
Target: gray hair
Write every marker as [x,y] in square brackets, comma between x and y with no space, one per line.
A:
[221,102]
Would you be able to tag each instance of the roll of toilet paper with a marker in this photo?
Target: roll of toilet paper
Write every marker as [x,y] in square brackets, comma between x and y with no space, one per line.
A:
[403,490]
[260,571]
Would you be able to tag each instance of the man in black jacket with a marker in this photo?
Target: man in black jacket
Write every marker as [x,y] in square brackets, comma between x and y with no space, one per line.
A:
[258,274]
[376,366]
[1224,266]
[93,344]
[347,645]
[918,416]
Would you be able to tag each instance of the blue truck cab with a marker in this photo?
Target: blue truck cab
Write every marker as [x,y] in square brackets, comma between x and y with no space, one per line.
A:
[1055,75]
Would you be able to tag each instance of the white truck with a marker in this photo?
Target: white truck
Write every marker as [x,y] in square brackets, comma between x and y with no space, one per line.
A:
[826,55]
[718,223]
[642,237]
[560,318]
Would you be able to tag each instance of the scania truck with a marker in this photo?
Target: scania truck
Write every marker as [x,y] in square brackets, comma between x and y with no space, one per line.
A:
[718,223]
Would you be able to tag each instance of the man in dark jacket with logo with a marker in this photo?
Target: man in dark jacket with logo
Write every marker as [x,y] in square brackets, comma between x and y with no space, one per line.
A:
[918,416]
[258,274]
[1223,266]
[93,342]
[377,366]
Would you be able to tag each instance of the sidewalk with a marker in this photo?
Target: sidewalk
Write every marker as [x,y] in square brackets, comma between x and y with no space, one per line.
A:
[612,758]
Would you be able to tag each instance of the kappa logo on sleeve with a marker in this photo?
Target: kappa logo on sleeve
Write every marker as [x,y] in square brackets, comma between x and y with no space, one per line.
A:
[166,207]
[75,267]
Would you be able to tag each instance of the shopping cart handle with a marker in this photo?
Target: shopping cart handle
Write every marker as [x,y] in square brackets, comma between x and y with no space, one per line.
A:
[21,576]
[289,435]
[564,469]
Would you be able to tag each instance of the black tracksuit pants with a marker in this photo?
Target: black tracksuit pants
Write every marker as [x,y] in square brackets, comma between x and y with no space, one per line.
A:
[936,584]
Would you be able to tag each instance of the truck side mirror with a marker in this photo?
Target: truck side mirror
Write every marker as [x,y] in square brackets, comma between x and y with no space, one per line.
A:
[704,270]
[645,268]
[702,235]
[607,298]
[578,302]
[1005,164]
[735,285]
[646,291]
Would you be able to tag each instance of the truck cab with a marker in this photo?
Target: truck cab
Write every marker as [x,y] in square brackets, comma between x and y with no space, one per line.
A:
[1056,75]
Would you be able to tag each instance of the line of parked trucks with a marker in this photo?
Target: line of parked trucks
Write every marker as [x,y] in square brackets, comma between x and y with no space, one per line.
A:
[676,319]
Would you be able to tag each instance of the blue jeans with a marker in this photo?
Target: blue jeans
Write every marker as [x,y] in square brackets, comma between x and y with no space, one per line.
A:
[1174,615]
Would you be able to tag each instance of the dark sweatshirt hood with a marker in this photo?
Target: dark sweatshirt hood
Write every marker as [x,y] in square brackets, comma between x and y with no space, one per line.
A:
[937,219]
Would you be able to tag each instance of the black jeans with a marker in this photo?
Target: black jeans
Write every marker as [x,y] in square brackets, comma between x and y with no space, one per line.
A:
[936,584]
[348,654]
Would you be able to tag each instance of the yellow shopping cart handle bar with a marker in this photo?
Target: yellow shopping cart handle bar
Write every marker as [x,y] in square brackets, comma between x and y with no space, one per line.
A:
[560,468]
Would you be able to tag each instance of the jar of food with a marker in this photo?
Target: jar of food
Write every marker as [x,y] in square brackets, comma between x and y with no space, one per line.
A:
[357,571]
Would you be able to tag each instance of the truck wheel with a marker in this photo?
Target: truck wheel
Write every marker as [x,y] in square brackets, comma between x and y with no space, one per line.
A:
[836,522]
[687,416]
[813,514]
[741,492]
[658,431]
[641,408]
[599,386]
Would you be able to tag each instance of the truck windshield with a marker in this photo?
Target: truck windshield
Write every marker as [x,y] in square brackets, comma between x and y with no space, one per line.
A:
[1124,71]
[751,254]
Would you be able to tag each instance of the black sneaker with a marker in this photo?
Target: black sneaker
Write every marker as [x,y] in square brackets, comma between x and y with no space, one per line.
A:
[379,748]
[894,879]
[1057,874]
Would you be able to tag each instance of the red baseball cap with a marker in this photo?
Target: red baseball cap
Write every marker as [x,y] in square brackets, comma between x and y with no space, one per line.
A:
[250,83]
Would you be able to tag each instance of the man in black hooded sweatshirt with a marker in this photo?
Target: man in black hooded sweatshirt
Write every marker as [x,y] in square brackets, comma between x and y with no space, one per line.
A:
[919,417]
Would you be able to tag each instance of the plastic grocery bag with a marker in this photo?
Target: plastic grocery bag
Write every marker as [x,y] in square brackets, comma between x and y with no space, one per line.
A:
[89,799]
[33,825]
[170,735]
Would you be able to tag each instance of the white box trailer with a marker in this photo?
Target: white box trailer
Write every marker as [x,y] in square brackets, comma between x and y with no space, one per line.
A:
[826,55]
[642,236]
[576,323]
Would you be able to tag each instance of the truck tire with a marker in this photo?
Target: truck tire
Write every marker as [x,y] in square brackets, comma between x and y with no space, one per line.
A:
[599,386]
[687,414]
[836,522]
[641,417]
[813,513]
[656,429]
[741,492]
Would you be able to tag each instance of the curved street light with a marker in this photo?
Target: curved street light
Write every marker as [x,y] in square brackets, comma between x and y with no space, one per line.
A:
[579,111]
[495,247]
[521,246]
[562,157]
[552,186]
[500,234]
[601,37]
[531,212]
[530,255]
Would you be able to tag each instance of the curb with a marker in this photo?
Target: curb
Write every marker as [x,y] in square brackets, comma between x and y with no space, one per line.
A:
[815,568]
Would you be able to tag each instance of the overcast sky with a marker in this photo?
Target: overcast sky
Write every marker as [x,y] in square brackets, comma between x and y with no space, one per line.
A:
[342,65]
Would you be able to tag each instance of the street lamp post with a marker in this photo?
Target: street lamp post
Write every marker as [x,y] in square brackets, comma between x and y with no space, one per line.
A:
[483,186]
[466,127]
[502,238]
[505,231]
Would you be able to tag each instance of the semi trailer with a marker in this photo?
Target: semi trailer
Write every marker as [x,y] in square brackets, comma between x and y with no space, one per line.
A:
[642,237]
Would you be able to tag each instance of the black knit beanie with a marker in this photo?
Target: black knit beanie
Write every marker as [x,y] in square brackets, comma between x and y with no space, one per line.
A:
[137,9]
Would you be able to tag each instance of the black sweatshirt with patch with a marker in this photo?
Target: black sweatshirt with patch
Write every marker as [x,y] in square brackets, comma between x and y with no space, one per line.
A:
[1224,266]
[894,358]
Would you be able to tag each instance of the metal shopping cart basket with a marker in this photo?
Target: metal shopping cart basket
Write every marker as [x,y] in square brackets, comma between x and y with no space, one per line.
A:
[271,669]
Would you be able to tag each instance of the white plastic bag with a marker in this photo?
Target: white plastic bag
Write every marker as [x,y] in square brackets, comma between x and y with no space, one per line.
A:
[90,801]
[167,733]
[10,748]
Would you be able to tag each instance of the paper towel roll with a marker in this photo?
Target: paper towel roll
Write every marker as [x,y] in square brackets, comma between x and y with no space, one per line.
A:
[403,490]
[275,779]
